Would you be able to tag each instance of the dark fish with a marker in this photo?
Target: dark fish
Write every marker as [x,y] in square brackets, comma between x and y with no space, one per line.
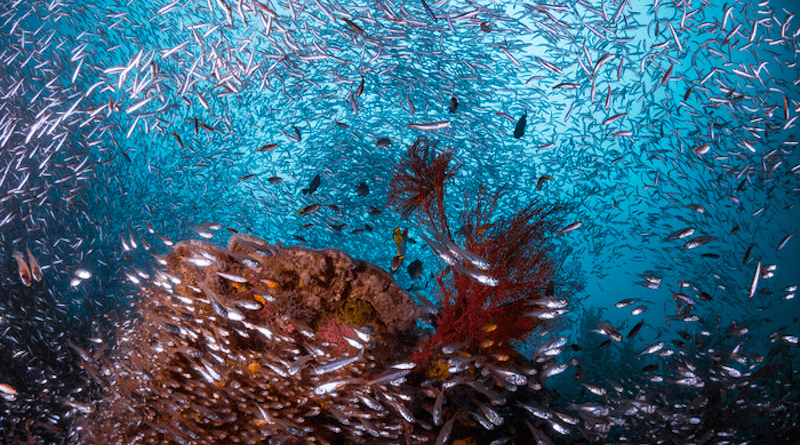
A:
[397,261]
[541,180]
[635,329]
[362,189]
[626,302]
[360,88]
[268,147]
[609,330]
[180,142]
[415,269]
[519,130]
[747,254]
[429,11]
[308,209]
[453,104]
[710,255]
[679,234]
[383,142]
[650,368]
[313,186]
[296,137]
[465,230]
[704,296]
[274,180]
[355,28]
[699,241]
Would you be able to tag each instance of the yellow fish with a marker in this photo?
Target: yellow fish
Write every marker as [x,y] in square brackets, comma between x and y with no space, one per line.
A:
[400,237]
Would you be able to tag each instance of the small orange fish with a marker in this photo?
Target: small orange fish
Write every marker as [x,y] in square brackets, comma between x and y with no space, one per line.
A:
[400,238]
[24,271]
[36,271]
[484,227]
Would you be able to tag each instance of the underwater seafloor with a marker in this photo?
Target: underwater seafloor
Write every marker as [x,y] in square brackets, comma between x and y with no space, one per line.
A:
[479,222]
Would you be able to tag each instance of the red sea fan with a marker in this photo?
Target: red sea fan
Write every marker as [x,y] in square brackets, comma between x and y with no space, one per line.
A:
[419,179]
[521,256]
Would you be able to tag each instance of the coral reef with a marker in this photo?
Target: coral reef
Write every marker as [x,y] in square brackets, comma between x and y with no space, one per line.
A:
[258,343]
[303,283]
[253,342]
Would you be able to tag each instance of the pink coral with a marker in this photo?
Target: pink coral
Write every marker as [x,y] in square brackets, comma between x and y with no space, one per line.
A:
[333,331]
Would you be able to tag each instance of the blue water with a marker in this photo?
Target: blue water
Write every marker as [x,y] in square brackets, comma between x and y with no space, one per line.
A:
[630,192]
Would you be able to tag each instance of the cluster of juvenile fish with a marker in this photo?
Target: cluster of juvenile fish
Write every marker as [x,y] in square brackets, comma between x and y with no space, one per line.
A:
[707,385]
[197,366]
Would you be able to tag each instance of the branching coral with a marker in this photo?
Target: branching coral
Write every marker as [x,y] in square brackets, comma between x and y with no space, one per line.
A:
[521,255]
[419,182]
[518,251]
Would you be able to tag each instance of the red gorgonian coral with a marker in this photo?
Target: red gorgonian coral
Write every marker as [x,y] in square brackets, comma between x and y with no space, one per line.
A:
[518,250]
[520,255]
[418,182]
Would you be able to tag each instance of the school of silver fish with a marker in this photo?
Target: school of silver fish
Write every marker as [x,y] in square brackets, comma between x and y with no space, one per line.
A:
[668,127]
